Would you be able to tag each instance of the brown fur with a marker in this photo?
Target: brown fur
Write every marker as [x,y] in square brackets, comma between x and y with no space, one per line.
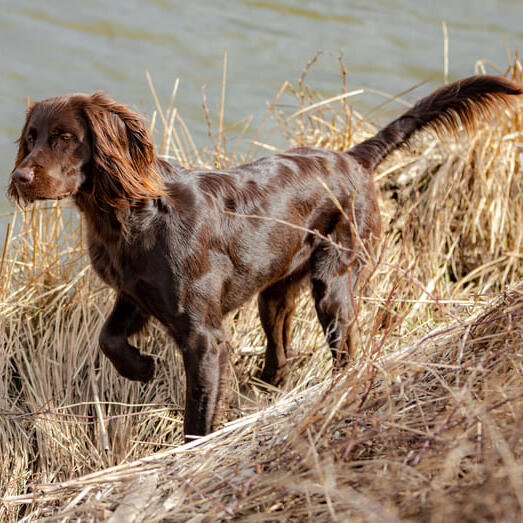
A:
[188,247]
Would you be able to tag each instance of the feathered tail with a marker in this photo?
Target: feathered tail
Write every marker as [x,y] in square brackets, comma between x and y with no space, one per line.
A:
[465,102]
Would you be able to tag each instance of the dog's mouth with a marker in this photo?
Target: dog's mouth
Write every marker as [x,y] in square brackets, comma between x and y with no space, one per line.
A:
[17,193]
[59,196]
[47,198]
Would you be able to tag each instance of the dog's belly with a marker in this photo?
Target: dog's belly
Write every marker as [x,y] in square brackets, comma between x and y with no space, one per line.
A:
[242,284]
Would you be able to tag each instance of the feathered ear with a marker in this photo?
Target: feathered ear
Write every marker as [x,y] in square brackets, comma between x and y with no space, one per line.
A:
[21,154]
[123,155]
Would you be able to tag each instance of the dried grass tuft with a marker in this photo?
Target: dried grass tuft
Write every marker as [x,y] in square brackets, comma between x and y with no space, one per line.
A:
[430,433]
[426,426]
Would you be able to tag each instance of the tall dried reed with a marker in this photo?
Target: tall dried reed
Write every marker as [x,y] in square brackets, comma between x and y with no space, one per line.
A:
[425,426]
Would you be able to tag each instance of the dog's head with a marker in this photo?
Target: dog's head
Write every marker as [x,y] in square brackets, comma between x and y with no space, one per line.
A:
[81,142]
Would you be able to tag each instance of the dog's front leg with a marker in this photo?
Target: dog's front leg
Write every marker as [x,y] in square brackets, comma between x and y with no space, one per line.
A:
[205,358]
[125,319]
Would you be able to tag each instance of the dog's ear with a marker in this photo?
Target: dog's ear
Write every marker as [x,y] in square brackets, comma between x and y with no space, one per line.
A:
[122,153]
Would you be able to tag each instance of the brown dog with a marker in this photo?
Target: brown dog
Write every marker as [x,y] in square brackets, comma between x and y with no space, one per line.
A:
[187,247]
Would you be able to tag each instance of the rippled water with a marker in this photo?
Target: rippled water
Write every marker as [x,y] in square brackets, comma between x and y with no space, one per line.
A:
[55,47]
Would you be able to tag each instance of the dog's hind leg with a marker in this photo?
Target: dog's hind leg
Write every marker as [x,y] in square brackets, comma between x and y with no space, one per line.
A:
[125,319]
[333,286]
[276,305]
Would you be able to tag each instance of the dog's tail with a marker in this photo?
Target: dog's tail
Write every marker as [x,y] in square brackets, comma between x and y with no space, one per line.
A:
[465,102]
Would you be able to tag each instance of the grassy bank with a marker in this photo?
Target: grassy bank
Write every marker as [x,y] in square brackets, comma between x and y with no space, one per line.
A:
[426,425]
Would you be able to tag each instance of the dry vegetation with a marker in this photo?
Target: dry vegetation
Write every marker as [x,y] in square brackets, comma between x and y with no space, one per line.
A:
[426,426]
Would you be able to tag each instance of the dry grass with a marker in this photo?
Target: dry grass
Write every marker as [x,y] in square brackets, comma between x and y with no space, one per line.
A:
[426,426]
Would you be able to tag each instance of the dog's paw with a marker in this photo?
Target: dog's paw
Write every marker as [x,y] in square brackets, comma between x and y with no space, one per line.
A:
[137,367]
[146,369]
[274,376]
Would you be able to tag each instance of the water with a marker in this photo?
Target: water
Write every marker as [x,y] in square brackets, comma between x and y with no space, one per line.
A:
[56,47]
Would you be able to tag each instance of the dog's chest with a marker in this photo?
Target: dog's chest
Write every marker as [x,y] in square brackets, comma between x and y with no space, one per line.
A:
[119,264]
[144,277]
[107,263]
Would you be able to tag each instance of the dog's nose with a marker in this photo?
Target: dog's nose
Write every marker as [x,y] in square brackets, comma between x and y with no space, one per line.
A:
[23,175]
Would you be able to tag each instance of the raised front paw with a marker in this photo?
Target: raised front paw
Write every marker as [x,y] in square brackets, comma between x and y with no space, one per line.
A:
[136,367]
[146,370]
[141,369]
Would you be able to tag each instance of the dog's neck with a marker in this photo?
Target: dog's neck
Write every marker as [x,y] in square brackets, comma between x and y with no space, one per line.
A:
[102,219]
[111,223]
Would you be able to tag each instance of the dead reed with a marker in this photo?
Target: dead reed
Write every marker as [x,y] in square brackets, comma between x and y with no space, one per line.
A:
[427,425]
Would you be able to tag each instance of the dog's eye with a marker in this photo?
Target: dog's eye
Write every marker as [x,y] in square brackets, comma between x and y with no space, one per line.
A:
[62,135]
[29,139]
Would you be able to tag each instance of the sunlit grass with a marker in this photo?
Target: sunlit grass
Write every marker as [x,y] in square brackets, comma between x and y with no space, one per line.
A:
[411,436]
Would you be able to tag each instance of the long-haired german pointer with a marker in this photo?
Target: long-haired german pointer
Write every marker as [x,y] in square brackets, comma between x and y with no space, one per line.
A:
[189,246]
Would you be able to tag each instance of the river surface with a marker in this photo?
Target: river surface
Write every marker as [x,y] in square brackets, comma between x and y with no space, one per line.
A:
[54,47]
